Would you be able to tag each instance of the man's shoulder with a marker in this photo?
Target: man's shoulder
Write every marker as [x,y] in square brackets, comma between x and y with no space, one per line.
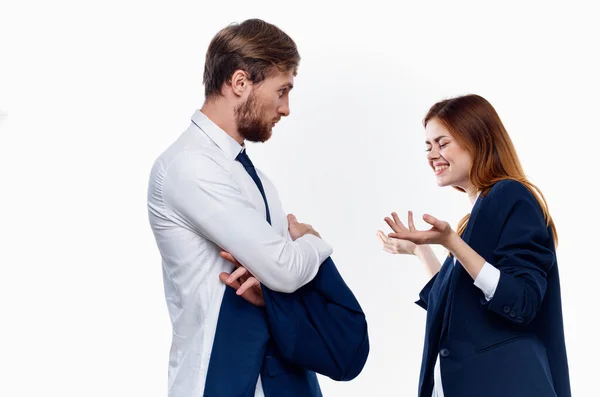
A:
[192,157]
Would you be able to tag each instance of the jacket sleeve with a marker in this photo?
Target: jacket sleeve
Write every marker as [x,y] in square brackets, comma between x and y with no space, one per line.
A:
[424,294]
[524,255]
[320,327]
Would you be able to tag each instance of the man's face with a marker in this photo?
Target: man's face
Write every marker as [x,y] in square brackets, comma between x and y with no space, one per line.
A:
[267,102]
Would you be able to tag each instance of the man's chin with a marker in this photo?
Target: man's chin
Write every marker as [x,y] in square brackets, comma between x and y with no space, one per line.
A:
[262,138]
[268,135]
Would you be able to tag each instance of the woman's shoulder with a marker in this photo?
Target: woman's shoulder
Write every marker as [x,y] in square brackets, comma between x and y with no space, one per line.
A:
[509,195]
[509,191]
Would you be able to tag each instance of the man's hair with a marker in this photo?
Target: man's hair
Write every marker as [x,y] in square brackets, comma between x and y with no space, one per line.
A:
[254,46]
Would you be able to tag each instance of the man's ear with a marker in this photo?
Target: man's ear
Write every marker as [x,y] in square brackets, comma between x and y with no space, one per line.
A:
[240,82]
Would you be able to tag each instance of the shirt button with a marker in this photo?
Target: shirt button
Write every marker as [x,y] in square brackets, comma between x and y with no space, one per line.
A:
[444,353]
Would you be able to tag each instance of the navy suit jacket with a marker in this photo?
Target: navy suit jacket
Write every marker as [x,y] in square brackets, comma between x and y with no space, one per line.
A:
[320,328]
[514,344]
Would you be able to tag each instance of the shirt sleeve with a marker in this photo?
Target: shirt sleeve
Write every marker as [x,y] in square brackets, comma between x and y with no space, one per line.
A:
[487,280]
[203,196]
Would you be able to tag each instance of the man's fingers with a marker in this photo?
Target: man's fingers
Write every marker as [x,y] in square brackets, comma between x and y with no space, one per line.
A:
[230,258]
[239,272]
[292,218]
[224,277]
[251,282]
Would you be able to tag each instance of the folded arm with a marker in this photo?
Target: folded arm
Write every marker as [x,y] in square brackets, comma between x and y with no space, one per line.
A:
[205,198]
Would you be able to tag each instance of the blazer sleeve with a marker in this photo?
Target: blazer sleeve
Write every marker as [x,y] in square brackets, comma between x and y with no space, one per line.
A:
[320,327]
[424,294]
[524,254]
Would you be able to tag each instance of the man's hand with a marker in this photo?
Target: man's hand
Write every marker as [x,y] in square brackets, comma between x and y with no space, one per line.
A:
[242,281]
[298,229]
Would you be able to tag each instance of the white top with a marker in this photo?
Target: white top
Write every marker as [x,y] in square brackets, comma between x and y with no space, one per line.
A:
[200,199]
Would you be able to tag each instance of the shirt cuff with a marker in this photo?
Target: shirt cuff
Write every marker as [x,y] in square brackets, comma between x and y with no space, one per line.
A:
[487,280]
[322,249]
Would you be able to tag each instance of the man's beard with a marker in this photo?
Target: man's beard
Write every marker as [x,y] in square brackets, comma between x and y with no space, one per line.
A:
[249,118]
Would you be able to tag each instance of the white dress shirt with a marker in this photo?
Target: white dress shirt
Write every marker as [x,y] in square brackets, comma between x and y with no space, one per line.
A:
[201,200]
[487,281]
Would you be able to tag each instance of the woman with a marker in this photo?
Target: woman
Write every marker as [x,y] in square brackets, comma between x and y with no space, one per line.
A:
[494,318]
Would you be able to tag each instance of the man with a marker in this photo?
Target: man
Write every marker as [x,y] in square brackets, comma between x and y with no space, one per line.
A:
[208,205]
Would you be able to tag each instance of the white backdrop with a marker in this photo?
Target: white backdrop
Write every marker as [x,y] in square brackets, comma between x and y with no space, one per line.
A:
[92,92]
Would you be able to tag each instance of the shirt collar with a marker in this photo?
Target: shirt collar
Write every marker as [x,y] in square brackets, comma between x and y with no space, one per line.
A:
[476,198]
[223,140]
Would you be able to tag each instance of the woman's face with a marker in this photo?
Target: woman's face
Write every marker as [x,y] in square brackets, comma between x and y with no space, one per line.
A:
[450,161]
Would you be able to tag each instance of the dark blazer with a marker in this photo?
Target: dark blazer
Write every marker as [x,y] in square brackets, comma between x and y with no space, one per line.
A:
[320,328]
[513,345]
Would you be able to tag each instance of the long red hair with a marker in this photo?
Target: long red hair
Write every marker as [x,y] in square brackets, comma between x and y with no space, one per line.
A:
[474,123]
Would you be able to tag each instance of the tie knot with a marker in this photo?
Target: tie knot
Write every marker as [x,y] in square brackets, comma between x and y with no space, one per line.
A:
[244,159]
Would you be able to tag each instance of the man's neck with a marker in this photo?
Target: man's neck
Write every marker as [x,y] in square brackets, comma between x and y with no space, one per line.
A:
[223,116]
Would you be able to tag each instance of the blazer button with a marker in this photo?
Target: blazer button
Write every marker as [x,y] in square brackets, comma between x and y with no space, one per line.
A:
[519,319]
[444,353]
[512,314]
[506,309]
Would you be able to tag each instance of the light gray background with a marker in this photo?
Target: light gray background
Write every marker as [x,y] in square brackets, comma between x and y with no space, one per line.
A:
[92,92]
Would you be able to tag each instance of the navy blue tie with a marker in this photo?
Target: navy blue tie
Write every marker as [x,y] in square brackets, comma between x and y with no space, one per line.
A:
[245,160]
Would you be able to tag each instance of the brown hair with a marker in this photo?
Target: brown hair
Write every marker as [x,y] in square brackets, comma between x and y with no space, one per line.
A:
[255,46]
[474,123]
